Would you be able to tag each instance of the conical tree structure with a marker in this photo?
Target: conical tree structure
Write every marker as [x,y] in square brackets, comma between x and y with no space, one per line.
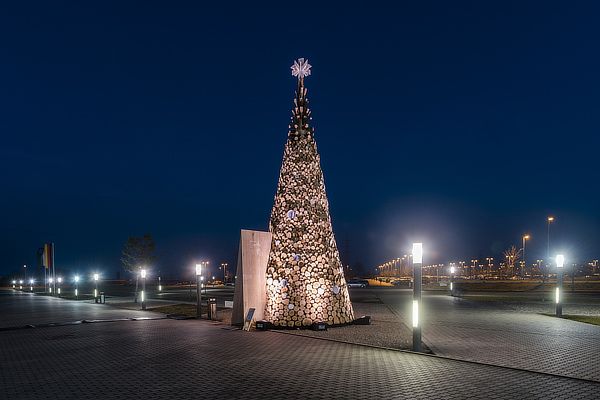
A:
[305,278]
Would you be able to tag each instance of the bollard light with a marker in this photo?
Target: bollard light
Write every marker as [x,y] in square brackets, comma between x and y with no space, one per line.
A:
[50,284]
[143,289]
[59,281]
[21,284]
[560,260]
[418,282]
[96,290]
[77,288]
[199,279]
[31,283]
[14,283]
[159,285]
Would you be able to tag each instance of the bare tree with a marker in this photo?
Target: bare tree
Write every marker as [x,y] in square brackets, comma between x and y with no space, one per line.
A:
[512,255]
[138,254]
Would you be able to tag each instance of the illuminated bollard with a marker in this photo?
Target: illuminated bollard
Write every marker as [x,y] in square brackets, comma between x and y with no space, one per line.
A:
[143,289]
[77,288]
[418,282]
[560,260]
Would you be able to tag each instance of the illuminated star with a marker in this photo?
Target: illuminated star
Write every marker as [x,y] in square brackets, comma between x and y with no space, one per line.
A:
[301,68]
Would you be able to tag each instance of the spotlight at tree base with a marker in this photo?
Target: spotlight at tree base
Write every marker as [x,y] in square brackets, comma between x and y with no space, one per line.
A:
[560,260]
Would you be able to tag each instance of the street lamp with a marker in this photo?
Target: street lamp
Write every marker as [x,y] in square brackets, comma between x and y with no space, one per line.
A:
[21,284]
[199,291]
[159,285]
[77,288]
[524,262]
[224,265]
[143,289]
[50,284]
[96,290]
[560,260]
[31,283]
[14,283]
[59,281]
[418,281]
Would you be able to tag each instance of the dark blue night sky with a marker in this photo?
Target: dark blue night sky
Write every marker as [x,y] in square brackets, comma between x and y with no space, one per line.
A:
[461,124]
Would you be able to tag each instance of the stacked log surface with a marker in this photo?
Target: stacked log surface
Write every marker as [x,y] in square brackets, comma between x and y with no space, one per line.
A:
[305,278]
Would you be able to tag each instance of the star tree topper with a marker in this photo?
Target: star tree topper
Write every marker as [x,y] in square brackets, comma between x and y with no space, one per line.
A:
[301,68]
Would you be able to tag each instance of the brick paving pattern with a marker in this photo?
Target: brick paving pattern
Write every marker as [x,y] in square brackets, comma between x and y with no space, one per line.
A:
[181,359]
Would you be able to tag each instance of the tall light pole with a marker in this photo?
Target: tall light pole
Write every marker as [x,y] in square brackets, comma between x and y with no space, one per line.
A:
[224,266]
[143,289]
[77,288]
[199,290]
[524,262]
[418,281]
[560,260]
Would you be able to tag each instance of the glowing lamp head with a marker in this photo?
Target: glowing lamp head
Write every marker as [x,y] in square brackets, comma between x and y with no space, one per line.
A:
[50,280]
[198,269]
[76,279]
[21,281]
[31,281]
[144,274]
[95,277]
[59,280]
[417,253]
[451,270]
[560,260]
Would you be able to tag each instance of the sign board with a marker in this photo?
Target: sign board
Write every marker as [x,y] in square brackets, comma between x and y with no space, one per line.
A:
[249,317]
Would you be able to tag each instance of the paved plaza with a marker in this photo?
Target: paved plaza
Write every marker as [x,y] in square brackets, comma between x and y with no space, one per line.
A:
[505,335]
[132,357]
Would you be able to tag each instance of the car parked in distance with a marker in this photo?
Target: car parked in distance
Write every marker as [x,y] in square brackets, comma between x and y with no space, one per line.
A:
[354,283]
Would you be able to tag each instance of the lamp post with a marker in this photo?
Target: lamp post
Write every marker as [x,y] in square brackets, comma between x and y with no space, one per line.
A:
[199,290]
[417,278]
[77,288]
[560,260]
[59,280]
[143,289]
[96,290]
[224,265]
[524,262]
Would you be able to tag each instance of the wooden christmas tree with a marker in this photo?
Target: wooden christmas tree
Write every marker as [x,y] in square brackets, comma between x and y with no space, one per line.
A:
[305,278]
